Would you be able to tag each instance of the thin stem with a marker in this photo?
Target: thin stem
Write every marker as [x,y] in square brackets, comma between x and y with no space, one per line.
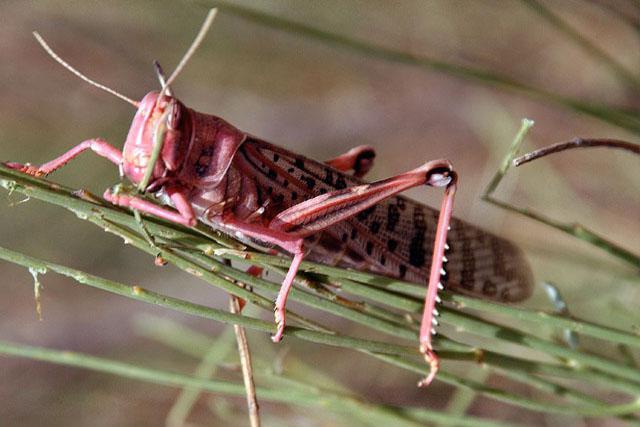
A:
[600,410]
[312,300]
[577,143]
[144,295]
[573,229]
[336,403]
[245,363]
[612,115]
[219,315]
[514,368]
[525,127]
[409,303]
[84,204]
[541,317]
[86,209]
[471,324]
[186,265]
[170,233]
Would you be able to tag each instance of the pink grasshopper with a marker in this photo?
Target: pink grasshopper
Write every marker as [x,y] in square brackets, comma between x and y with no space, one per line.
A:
[206,169]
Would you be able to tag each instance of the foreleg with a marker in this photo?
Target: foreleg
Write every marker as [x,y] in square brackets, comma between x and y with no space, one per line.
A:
[184,215]
[97,145]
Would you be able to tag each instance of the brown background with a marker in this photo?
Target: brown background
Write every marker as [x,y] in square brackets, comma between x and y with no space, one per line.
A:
[319,101]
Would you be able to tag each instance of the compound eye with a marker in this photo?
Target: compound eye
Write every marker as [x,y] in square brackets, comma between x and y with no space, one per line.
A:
[175,115]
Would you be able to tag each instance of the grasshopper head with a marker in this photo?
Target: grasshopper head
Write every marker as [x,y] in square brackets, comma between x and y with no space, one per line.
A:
[159,124]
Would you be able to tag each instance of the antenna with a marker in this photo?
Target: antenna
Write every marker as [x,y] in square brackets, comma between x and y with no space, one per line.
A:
[196,42]
[161,77]
[55,56]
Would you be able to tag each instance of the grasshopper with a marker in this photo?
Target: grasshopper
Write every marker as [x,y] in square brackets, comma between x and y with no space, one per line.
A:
[202,168]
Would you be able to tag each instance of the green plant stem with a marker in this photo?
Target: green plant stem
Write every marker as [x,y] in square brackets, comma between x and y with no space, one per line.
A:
[264,258]
[84,204]
[616,67]
[85,209]
[99,215]
[554,320]
[590,410]
[335,403]
[465,322]
[607,114]
[573,229]
[225,317]
[171,334]
[165,332]
[478,327]
[309,299]
[144,295]
[356,282]
[514,148]
[577,143]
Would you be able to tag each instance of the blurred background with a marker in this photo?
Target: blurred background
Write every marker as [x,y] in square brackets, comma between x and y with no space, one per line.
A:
[319,100]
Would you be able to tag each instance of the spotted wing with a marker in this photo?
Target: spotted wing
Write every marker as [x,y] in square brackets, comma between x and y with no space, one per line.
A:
[394,237]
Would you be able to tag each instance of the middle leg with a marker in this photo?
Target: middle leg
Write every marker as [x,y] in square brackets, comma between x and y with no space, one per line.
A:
[359,160]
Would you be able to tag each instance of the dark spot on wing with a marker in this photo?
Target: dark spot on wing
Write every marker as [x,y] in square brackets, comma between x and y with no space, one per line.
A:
[402,270]
[417,252]
[468,265]
[299,163]
[392,244]
[330,243]
[369,248]
[362,216]
[374,227]
[393,217]
[340,183]
[328,178]
[354,256]
[309,181]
